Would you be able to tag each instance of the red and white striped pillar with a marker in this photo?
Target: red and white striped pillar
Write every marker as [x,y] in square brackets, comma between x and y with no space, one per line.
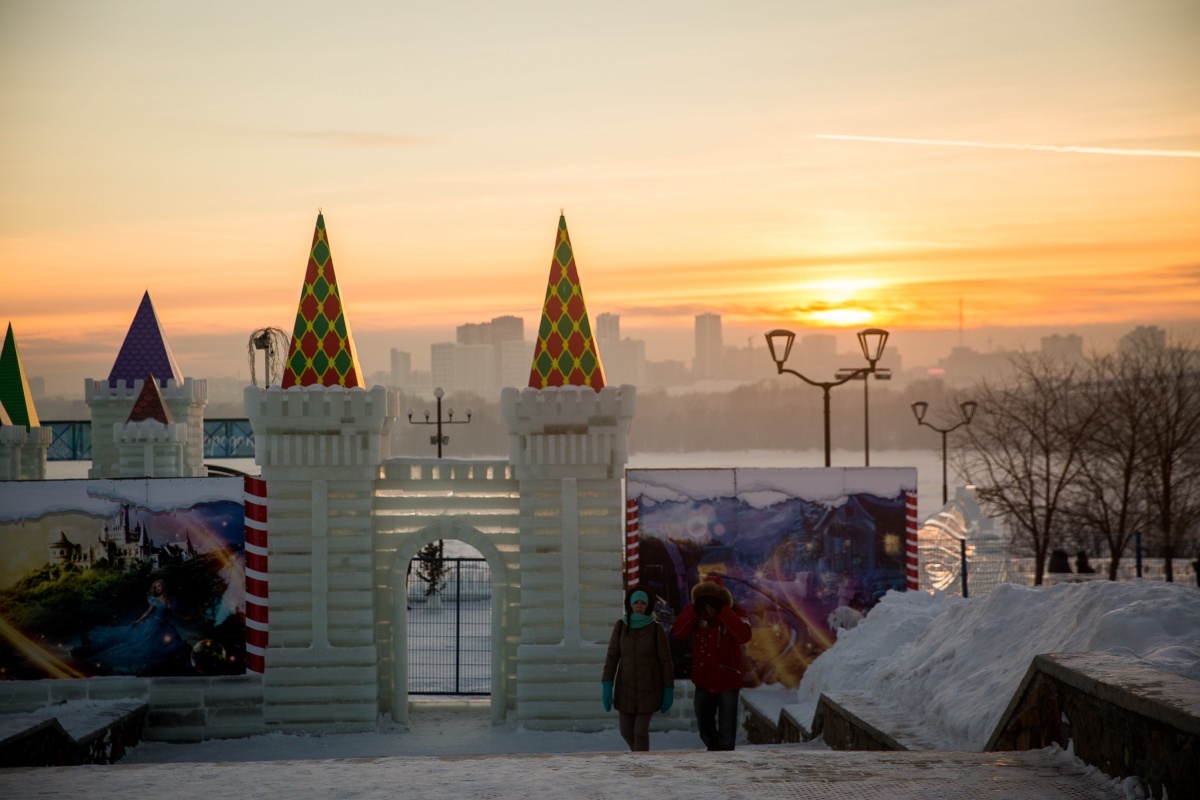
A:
[912,562]
[631,542]
[256,573]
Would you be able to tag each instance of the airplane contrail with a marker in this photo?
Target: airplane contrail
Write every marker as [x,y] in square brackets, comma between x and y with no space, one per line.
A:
[1046,148]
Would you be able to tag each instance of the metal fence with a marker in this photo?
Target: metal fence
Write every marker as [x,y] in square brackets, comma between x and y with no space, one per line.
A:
[223,438]
[450,627]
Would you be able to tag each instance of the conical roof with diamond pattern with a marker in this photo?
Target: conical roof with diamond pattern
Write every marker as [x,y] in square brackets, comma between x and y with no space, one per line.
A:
[566,353]
[15,397]
[322,352]
[145,350]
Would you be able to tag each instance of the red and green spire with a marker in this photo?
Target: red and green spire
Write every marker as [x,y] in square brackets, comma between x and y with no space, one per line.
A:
[566,353]
[322,351]
[15,396]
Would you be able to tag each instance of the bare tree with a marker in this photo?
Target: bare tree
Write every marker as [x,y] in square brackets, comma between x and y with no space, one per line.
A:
[1107,499]
[1171,392]
[1024,448]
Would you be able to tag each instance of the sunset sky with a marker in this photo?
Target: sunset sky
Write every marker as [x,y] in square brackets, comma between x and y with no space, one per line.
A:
[801,163]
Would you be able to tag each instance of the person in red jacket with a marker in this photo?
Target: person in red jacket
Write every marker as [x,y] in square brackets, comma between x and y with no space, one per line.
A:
[718,628]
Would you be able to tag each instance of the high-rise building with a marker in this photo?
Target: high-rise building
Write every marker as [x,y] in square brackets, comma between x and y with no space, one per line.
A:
[474,369]
[1142,338]
[1064,347]
[401,372]
[515,357]
[608,327]
[709,347]
[816,355]
[441,364]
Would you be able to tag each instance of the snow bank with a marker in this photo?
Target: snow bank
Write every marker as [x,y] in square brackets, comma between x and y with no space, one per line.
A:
[956,663]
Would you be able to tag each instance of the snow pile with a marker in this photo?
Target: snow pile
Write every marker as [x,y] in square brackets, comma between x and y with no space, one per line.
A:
[955,663]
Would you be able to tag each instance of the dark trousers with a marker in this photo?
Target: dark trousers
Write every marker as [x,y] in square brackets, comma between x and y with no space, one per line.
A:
[635,730]
[716,714]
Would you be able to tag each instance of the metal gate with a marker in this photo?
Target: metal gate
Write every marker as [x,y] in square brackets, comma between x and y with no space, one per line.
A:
[449,626]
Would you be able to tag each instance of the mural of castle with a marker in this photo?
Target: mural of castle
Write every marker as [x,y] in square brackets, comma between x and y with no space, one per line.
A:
[121,544]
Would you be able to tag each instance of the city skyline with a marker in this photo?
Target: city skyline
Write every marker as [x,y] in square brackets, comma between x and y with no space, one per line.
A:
[789,165]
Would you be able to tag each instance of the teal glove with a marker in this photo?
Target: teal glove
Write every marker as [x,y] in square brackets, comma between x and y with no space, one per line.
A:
[668,699]
[606,690]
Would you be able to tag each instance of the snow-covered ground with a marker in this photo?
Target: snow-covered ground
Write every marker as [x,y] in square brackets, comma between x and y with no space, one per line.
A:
[950,662]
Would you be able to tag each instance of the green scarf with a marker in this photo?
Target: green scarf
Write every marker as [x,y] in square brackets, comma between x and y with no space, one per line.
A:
[638,620]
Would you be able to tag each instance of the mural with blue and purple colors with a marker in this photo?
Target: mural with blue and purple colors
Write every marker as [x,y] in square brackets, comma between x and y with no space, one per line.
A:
[804,551]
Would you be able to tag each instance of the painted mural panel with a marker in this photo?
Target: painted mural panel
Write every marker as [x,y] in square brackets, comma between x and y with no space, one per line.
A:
[804,551]
[121,577]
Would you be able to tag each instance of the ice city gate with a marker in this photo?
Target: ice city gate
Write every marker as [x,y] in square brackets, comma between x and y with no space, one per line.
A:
[344,521]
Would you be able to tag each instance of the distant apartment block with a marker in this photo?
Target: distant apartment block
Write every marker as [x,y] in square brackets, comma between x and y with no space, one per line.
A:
[816,354]
[515,359]
[1067,348]
[710,349]
[486,357]
[608,327]
[624,359]
[1143,338]
[401,368]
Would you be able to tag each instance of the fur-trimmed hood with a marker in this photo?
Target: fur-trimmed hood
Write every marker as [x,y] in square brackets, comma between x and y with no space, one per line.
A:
[712,587]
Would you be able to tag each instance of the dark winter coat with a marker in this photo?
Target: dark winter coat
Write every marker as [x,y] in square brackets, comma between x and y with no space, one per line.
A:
[717,656]
[639,664]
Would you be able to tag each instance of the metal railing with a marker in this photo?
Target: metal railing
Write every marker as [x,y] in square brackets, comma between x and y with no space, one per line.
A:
[223,438]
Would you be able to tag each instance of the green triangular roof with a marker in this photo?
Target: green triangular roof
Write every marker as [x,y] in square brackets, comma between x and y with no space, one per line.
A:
[566,353]
[14,388]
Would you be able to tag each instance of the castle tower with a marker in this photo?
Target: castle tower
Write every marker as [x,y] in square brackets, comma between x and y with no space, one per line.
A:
[23,441]
[150,443]
[320,439]
[145,351]
[568,443]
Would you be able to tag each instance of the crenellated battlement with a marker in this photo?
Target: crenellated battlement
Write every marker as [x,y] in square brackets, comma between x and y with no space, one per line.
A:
[314,407]
[150,431]
[321,426]
[536,409]
[569,430]
[190,391]
[23,452]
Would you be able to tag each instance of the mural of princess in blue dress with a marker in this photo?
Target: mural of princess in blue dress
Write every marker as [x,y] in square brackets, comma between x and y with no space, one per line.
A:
[151,645]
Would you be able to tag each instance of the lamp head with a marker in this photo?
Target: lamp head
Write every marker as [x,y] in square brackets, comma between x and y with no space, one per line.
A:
[872,341]
[968,410]
[439,393]
[919,408]
[780,343]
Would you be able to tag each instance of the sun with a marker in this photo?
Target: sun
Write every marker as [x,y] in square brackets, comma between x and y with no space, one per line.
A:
[842,317]
[837,302]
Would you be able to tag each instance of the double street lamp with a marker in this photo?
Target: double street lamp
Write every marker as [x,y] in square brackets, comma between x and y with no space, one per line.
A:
[872,341]
[967,409]
[439,439]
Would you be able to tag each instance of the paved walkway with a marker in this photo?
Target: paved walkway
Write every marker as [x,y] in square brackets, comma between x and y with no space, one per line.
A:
[750,773]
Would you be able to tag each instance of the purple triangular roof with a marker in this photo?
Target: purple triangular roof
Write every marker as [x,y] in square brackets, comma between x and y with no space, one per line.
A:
[145,350]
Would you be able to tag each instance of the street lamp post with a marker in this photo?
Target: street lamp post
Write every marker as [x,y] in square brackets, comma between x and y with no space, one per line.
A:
[967,409]
[872,341]
[881,374]
[439,439]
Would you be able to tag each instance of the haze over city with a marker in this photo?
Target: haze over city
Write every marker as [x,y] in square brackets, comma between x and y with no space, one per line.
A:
[819,167]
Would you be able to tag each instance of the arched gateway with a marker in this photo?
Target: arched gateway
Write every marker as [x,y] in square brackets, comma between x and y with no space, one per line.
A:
[345,520]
